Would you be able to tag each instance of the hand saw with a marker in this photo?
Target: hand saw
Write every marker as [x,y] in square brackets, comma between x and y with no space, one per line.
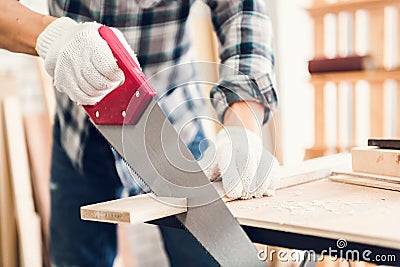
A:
[135,126]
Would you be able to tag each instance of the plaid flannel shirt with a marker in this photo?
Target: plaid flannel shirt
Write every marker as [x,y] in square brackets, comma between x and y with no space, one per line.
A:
[161,37]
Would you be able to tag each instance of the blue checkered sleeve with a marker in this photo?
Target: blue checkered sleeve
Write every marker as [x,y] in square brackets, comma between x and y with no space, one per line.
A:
[247,61]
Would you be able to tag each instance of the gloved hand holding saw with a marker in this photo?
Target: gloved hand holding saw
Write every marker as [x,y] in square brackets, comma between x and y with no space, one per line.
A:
[79,60]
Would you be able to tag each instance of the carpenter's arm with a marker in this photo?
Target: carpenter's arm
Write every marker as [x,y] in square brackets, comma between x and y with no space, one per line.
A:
[248,114]
[20,27]
[245,95]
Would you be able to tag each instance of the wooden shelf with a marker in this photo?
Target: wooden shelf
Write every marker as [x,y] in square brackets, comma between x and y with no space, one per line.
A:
[325,8]
[353,76]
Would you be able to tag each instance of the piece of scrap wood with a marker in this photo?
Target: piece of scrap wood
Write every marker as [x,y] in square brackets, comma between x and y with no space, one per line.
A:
[136,209]
[377,161]
[365,181]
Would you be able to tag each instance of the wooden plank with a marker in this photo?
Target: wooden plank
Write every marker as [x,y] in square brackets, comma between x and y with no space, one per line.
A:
[385,143]
[28,223]
[376,161]
[363,181]
[47,90]
[129,210]
[368,176]
[327,209]
[8,231]
[38,139]
[137,209]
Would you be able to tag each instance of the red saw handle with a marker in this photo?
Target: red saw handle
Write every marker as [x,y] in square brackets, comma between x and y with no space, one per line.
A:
[112,109]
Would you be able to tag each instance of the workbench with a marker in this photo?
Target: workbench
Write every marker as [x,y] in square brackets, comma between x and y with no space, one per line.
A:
[311,212]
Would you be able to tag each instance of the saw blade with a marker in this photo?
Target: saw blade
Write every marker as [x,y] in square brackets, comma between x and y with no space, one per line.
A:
[153,149]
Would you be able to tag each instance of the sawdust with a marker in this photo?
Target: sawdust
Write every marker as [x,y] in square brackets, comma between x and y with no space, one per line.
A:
[307,207]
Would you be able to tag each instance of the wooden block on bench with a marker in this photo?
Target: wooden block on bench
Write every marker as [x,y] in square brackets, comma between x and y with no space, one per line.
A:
[377,161]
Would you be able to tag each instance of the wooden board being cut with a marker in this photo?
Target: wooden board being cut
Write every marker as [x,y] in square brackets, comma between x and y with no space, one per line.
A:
[130,210]
[376,161]
[321,208]
[138,209]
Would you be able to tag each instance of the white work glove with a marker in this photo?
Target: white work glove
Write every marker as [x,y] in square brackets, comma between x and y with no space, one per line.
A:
[246,167]
[79,60]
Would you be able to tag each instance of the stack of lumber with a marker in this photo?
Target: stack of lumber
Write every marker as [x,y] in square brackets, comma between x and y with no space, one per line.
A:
[8,232]
[377,165]
[25,143]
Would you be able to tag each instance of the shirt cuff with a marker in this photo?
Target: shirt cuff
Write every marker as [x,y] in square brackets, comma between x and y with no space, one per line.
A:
[243,88]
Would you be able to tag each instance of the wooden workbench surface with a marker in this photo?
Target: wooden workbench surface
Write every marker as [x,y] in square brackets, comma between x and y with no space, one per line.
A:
[306,203]
[327,209]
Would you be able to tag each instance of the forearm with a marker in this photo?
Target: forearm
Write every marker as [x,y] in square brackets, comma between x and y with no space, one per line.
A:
[20,27]
[245,114]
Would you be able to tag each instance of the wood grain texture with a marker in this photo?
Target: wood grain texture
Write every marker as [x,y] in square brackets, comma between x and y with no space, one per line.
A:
[376,161]
[28,222]
[137,209]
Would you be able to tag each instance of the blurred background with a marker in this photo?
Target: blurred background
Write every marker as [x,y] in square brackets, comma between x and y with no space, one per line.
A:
[327,112]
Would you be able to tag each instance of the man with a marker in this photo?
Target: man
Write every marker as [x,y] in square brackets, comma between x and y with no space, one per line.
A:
[84,71]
